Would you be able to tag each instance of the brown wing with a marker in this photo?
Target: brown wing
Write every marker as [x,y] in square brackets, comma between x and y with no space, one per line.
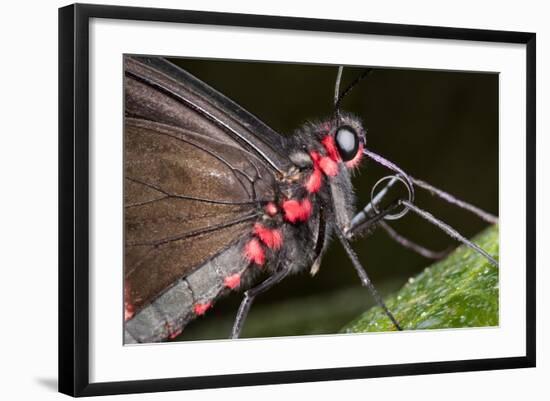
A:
[187,198]
[157,90]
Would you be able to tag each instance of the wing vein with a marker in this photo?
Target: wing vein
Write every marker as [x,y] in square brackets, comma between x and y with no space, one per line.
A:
[205,113]
[213,154]
[194,233]
[183,197]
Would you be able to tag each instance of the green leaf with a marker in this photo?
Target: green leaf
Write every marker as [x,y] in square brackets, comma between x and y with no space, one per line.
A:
[460,291]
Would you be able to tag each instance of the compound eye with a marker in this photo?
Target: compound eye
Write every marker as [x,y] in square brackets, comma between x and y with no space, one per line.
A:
[347,142]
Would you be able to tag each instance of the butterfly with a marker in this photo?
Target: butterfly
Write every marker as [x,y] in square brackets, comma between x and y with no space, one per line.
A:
[216,201]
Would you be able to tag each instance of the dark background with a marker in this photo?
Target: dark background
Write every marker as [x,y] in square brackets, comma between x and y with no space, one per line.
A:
[440,126]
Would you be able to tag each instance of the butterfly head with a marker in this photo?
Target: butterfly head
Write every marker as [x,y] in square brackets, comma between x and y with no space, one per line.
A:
[343,140]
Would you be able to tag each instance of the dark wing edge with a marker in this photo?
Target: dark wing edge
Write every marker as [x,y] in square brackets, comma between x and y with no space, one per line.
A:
[248,130]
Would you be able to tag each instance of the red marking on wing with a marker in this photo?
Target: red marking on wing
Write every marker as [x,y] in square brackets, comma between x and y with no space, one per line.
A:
[329,166]
[200,309]
[330,147]
[232,281]
[271,237]
[297,210]
[271,209]
[353,163]
[254,252]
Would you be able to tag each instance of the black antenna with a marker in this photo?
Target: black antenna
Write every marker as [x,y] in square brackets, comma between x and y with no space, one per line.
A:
[339,97]
[337,85]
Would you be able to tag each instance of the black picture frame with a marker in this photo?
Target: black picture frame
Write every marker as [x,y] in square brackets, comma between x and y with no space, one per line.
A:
[74,194]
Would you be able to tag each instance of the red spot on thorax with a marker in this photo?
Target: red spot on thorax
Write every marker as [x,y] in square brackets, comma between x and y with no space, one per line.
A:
[297,210]
[353,163]
[232,281]
[200,309]
[271,209]
[315,156]
[306,208]
[314,181]
[293,210]
[254,252]
[330,147]
[271,237]
[329,166]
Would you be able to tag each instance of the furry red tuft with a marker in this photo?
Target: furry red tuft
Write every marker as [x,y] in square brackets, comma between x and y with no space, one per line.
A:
[329,166]
[271,209]
[254,252]
[293,210]
[313,183]
[271,237]
[315,156]
[200,309]
[330,147]
[297,210]
[232,281]
[307,207]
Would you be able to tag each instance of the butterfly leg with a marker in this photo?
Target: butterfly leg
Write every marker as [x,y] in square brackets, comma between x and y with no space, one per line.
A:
[252,293]
[408,244]
[369,221]
[365,280]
